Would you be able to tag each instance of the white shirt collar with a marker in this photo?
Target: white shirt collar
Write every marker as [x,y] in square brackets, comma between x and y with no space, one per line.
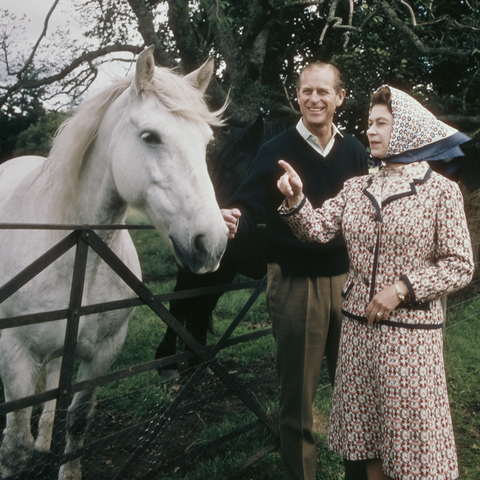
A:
[313,141]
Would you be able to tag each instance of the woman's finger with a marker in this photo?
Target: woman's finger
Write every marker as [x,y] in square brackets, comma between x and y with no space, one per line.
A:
[288,168]
[292,176]
[287,185]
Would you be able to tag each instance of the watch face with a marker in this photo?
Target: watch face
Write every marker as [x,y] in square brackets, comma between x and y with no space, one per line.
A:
[400,294]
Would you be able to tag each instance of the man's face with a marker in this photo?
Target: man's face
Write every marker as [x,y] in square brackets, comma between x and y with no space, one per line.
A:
[317,97]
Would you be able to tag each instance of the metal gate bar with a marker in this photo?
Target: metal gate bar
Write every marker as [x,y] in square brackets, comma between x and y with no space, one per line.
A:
[37,266]
[51,316]
[121,374]
[68,357]
[84,236]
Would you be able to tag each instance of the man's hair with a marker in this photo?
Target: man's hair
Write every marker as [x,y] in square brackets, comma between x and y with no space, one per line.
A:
[338,85]
[382,97]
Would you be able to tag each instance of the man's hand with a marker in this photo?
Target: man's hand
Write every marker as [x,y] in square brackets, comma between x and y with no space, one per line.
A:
[290,184]
[231,217]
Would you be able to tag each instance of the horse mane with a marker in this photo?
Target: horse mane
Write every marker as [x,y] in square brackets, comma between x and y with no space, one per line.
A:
[182,98]
[76,134]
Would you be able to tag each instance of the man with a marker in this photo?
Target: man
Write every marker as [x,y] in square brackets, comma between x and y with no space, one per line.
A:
[305,281]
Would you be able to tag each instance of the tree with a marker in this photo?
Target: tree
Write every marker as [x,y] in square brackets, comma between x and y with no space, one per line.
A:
[429,47]
[20,113]
[258,43]
[37,138]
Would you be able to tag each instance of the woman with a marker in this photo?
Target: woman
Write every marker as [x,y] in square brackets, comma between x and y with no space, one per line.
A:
[409,245]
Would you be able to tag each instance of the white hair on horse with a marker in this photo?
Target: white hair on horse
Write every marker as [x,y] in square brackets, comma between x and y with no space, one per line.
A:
[77,133]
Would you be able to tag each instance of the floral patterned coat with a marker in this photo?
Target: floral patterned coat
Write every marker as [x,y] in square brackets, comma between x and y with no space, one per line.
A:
[418,233]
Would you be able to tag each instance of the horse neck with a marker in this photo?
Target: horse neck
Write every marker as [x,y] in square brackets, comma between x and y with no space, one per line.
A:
[92,197]
[97,200]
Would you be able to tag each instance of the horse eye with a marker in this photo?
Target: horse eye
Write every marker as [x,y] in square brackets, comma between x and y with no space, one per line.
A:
[151,138]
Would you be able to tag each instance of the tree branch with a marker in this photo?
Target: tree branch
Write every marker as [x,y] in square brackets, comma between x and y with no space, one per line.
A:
[260,16]
[287,96]
[185,38]
[467,27]
[336,22]
[86,57]
[35,48]
[419,45]
[410,9]
[146,29]
[299,3]
[330,19]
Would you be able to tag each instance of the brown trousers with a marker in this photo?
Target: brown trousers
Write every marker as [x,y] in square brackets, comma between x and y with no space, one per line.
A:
[306,319]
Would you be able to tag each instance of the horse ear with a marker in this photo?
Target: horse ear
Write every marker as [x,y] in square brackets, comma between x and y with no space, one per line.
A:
[200,78]
[145,68]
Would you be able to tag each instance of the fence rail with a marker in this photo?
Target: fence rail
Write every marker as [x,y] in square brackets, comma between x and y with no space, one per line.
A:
[83,237]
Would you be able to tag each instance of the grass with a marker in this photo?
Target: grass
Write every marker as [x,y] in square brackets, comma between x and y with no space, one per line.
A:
[462,362]
[144,396]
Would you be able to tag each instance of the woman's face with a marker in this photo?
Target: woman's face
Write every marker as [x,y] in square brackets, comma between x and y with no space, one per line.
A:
[380,126]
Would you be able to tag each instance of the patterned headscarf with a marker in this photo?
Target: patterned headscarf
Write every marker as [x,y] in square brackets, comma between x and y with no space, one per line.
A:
[417,134]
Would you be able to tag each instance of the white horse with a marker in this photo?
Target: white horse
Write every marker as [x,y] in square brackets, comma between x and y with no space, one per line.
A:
[141,142]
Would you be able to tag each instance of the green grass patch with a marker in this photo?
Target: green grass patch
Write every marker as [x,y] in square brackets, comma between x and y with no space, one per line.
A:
[142,394]
[462,363]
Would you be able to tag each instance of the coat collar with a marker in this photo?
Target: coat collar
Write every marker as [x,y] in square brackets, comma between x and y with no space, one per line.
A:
[396,183]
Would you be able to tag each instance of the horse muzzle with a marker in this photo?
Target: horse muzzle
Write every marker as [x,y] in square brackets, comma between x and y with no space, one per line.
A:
[200,255]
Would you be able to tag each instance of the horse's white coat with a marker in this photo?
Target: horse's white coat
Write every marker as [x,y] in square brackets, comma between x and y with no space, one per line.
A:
[142,145]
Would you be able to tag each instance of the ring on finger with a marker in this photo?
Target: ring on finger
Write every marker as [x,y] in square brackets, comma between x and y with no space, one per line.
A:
[379,314]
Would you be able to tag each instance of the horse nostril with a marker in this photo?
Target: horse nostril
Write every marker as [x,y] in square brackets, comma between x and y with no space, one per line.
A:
[199,243]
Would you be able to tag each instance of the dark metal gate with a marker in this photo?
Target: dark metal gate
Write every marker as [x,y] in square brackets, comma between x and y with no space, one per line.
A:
[82,238]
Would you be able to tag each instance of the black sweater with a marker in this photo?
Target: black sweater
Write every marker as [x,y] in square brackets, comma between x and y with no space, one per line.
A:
[258,198]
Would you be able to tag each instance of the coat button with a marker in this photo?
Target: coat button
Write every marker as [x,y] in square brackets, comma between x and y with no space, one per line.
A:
[366,282]
[370,249]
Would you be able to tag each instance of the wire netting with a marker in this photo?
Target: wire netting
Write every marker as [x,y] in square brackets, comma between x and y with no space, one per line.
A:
[175,427]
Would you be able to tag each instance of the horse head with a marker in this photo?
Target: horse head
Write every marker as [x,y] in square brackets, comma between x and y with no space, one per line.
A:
[158,160]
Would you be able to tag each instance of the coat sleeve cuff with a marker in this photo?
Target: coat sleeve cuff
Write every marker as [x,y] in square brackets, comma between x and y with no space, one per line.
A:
[411,292]
[287,211]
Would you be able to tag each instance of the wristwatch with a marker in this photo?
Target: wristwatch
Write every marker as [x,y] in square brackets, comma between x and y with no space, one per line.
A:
[400,294]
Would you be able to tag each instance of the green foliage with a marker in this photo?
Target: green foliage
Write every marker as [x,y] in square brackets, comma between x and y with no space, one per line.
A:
[37,138]
[15,118]
[431,49]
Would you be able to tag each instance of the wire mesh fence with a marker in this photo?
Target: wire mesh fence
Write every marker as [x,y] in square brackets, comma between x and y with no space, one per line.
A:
[129,435]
